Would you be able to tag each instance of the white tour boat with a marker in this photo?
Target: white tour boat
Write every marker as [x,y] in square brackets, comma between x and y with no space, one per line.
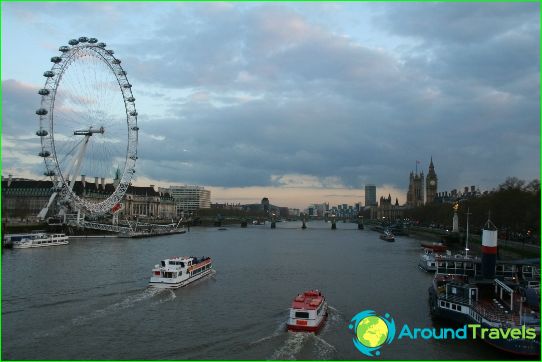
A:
[308,312]
[177,272]
[35,240]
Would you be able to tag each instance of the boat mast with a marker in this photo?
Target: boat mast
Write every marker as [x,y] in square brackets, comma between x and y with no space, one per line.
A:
[467,238]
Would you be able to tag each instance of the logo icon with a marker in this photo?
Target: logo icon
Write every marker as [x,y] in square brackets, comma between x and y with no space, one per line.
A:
[371,332]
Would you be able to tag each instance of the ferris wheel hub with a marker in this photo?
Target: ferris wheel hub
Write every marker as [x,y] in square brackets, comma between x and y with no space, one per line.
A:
[89,132]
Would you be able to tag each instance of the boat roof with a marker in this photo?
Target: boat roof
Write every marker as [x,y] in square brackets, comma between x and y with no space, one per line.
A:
[310,299]
[180,258]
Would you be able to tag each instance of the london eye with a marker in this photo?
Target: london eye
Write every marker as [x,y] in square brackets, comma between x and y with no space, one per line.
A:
[87,126]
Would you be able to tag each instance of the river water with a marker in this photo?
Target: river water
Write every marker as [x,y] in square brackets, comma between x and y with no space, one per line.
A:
[89,299]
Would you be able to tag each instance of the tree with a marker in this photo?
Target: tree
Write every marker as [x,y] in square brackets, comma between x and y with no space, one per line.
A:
[512,183]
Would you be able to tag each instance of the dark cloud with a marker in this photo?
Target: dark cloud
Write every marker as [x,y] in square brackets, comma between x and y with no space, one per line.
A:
[456,23]
[19,104]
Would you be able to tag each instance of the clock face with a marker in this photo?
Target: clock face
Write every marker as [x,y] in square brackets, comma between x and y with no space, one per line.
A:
[432,182]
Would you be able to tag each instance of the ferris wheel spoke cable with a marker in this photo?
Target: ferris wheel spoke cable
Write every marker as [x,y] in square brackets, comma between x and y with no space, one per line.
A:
[71,152]
[74,104]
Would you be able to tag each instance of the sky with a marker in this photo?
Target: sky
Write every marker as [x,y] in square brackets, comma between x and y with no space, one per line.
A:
[298,102]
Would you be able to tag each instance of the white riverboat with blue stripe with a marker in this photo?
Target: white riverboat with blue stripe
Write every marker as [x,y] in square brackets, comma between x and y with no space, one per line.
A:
[35,240]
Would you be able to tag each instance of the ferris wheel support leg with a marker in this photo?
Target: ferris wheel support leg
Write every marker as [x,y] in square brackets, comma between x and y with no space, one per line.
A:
[43,213]
[79,161]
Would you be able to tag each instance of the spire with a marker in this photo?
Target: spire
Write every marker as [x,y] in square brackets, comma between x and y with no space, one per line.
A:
[431,166]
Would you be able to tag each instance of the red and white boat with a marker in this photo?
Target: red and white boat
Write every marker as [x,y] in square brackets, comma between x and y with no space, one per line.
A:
[308,312]
[177,272]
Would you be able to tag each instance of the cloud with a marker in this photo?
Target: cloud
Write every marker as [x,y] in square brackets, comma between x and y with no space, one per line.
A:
[453,23]
[19,104]
[306,181]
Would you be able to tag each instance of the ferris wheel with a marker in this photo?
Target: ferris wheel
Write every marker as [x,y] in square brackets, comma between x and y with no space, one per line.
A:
[88,127]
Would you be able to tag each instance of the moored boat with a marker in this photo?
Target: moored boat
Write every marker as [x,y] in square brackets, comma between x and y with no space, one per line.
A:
[494,295]
[387,236]
[308,312]
[35,240]
[177,272]
[427,260]
[430,261]
[154,232]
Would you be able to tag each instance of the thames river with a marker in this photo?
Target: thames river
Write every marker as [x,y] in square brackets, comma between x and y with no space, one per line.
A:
[89,299]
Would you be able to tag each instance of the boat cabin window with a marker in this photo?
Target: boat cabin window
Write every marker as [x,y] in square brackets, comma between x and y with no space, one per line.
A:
[304,315]
[163,263]
[168,275]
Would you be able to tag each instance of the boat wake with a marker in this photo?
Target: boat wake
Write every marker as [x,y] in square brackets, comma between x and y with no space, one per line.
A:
[279,331]
[323,350]
[292,346]
[124,304]
[111,309]
[296,341]
[334,319]
[167,298]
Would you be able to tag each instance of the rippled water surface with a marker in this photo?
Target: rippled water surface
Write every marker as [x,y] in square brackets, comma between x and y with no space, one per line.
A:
[89,299]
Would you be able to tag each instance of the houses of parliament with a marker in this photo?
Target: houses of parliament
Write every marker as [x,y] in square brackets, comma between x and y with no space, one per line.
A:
[422,190]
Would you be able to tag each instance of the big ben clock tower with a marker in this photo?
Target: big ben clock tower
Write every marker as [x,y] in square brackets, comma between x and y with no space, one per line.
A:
[431,181]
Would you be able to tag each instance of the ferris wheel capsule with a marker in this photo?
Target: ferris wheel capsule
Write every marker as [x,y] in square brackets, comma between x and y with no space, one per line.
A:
[43,92]
[73,42]
[83,39]
[64,48]
[93,40]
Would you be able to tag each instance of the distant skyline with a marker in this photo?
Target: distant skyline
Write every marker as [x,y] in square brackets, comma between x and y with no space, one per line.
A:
[298,102]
